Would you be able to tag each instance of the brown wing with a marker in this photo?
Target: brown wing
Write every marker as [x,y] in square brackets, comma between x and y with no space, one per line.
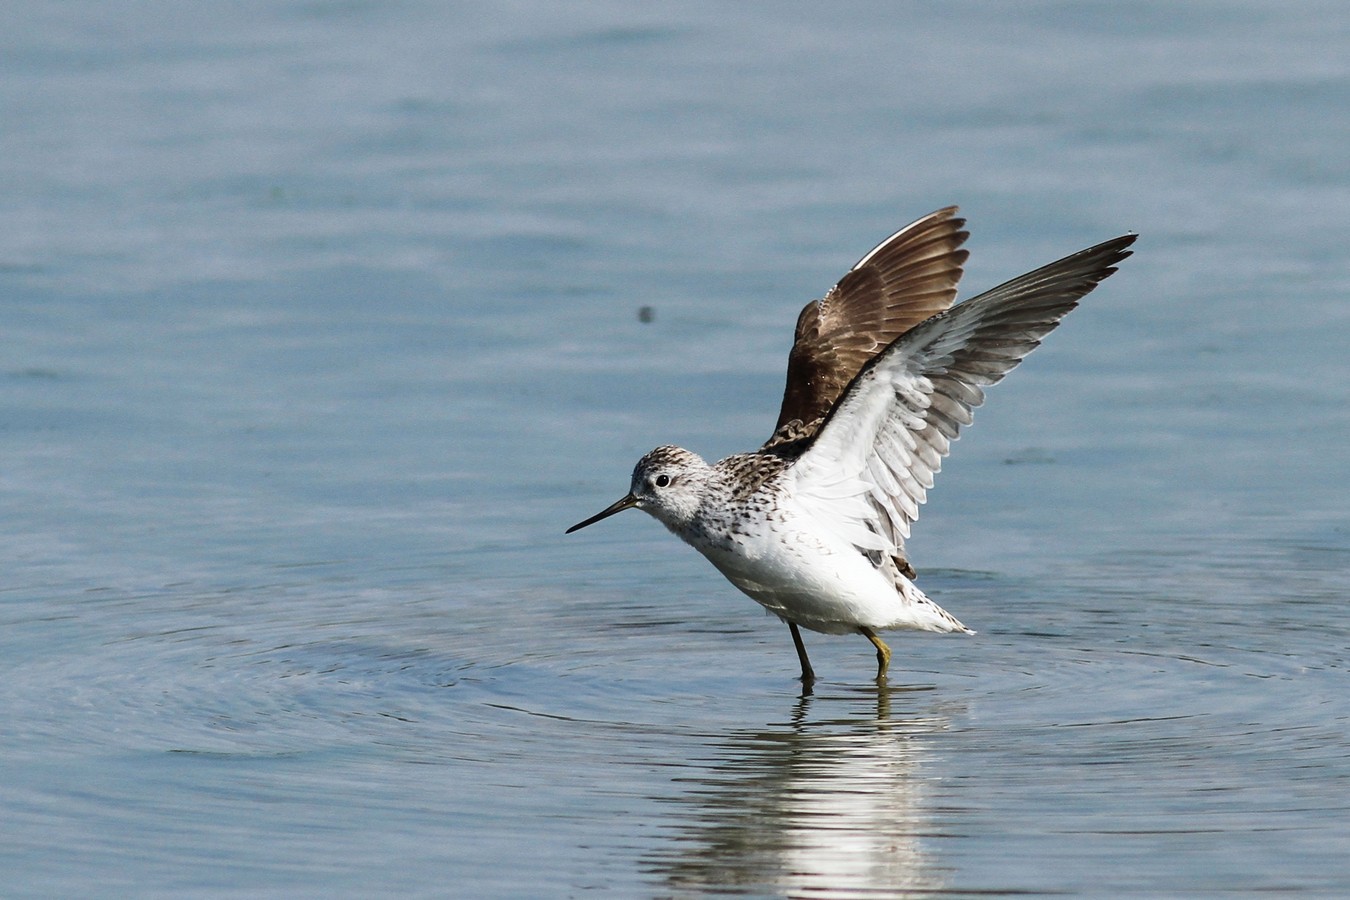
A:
[872,463]
[907,278]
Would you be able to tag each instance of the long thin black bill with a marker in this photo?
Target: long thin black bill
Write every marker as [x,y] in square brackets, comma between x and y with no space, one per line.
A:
[626,503]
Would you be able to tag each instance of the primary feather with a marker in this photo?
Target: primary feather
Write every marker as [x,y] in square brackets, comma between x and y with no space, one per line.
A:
[886,437]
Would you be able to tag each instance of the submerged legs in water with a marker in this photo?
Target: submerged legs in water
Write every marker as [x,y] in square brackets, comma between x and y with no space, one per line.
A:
[883,652]
[808,675]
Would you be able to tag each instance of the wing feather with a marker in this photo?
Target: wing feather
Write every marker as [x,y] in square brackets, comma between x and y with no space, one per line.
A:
[887,435]
[904,280]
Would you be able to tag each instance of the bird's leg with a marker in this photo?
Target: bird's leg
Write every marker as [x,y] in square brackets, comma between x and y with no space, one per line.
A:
[808,675]
[883,652]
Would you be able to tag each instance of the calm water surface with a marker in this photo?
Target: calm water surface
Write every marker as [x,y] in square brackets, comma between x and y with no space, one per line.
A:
[321,323]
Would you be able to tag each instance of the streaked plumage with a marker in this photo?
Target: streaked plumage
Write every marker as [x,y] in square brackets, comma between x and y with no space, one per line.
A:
[881,378]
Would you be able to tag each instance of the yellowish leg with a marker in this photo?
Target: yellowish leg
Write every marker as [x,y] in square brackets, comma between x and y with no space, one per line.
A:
[808,675]
[883,652]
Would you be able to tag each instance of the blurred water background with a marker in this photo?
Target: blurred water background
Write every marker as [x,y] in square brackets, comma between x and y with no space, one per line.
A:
[319,322]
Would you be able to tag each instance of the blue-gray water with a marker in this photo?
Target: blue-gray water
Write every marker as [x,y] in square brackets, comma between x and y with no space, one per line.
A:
[319,324]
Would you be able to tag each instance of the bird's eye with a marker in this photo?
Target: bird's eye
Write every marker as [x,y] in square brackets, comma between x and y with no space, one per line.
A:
[662,481]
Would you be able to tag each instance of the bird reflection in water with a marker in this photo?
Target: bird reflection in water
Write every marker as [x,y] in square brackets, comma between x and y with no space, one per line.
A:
[833,803]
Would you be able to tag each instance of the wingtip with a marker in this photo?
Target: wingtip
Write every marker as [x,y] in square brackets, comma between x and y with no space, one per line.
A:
[941,219]
[1122,244]
[1104,257]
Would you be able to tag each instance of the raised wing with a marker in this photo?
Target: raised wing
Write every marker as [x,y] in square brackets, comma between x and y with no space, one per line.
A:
[874,458]
[907,278]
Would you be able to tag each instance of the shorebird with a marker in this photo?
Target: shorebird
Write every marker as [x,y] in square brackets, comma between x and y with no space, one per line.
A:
[882,375]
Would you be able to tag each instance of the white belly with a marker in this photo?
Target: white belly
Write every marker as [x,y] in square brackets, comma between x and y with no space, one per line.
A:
[823,584]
